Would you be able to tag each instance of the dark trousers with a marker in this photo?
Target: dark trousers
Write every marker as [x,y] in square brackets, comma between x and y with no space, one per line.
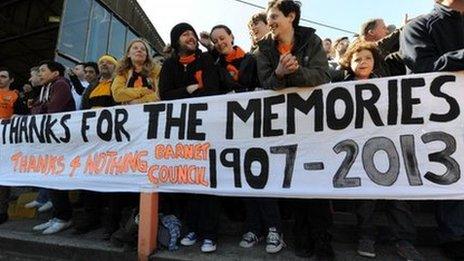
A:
[117,202]
[313,218]
[62,208]
[398,214]
[262,214]
[92,203]
[450,219]
[202,215]
[4,199]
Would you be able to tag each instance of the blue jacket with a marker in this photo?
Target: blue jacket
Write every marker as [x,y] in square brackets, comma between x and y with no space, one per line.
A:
[434,41]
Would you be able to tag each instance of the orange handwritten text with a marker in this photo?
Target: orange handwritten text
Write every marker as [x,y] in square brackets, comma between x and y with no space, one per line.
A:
[44,164]
[182,174]
[111,163]
[197,151]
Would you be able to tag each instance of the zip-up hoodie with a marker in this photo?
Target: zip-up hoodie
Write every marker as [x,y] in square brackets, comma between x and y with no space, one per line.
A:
[55,97]
[314,67]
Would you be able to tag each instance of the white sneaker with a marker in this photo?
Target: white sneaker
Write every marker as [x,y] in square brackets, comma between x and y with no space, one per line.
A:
[44,225]
[45,207]
[57,226]
[249,239]
[189,240]
[33,204]
[208,246]
[274,241]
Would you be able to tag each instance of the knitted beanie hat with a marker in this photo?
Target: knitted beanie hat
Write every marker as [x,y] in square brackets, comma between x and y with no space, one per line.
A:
[177,31]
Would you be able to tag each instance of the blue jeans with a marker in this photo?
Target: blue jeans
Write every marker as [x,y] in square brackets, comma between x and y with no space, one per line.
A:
[450,220]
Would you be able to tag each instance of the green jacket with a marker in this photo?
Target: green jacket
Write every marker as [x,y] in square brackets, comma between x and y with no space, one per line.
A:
[314,67]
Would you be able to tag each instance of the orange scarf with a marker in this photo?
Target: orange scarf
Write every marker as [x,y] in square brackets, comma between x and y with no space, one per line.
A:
[138,83]
[187,59]
[236,53]
[233,71]
[284,48]
[199,77]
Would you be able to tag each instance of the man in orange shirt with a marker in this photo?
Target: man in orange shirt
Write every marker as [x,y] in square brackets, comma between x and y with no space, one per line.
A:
[9,105]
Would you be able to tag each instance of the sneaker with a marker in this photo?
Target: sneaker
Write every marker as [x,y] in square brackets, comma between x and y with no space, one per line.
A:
[208,246]
[249,239]
[274,241]
[45,207]
[189,240]
[33,204]
[366,248]
[407,251]
[44,225]
[57,226]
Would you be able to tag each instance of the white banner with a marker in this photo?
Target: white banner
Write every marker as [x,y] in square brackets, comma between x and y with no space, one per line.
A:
[390,138]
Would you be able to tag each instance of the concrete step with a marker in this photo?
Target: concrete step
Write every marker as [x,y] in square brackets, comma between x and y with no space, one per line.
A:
[228,250]
[17,237]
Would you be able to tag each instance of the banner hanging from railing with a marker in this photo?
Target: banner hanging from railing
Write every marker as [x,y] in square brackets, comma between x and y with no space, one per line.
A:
[389,138]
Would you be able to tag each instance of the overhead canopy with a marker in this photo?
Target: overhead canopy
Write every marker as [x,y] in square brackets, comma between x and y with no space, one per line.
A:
[29,30]
[28,33]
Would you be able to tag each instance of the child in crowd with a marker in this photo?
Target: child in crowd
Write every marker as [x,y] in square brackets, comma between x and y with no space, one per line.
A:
[361,60]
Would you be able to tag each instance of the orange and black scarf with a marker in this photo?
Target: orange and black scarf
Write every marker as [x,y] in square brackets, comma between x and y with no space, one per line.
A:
[236,54]
[186,60]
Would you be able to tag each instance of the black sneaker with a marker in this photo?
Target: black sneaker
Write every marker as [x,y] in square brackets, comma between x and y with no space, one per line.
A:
[366,248]
[407,251]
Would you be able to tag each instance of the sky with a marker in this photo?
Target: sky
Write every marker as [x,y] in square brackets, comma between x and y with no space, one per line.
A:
[344,14]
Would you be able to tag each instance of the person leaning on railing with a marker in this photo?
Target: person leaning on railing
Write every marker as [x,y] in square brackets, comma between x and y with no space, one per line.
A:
[137,76]
[292,56]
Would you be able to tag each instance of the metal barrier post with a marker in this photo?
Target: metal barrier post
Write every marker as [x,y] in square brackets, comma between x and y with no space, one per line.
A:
[148,225]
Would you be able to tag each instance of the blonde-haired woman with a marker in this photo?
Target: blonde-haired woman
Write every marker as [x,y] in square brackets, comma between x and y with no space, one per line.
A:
[137,77]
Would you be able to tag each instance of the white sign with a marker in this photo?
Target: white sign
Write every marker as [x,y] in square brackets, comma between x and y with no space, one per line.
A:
[389,138]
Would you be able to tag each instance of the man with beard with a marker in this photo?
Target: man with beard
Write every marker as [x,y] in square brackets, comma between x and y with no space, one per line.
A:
[191,73]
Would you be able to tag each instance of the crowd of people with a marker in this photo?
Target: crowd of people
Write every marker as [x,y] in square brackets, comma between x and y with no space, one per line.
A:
[283,54]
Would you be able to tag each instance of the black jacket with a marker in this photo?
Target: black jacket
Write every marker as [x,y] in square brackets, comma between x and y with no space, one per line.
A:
[247,72]
[175,77]
[314,67]
[434,42]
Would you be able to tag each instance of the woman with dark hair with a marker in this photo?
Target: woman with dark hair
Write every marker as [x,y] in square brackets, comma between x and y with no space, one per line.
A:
[239,65]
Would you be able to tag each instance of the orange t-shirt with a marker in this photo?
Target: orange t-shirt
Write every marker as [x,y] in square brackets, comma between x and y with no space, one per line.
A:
[8,99]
